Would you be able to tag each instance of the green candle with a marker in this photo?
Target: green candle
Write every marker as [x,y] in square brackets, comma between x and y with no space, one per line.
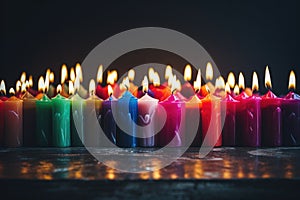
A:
[77,118]
[44,121]
[61,121]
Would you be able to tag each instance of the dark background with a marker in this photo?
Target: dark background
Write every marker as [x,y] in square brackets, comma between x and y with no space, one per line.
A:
[240,36]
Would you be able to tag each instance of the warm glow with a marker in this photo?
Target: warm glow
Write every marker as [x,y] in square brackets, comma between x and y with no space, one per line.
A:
[18,86]
[241,81]
[11,91]
[197,83]
[64,74]
[30,81]
[268,82]
[77,84]
[227,88]
[27,84]
[72,74]
[145,84]
[100,74]
[125,83]
[220,83]
[78,71]
[254,82]
[168,72]
[131,74]
[41,84]
[231,80]
[51,77]
[23,77]
[92,87]
[151,74]
[110,90]
[2,87]
[236,90]
[209,72]
[59,89]
[176,85]
[187,73]
[112,76]
[292,81]
[156,79]
[71,88]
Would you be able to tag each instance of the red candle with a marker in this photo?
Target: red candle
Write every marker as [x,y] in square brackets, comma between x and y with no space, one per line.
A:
[291,115]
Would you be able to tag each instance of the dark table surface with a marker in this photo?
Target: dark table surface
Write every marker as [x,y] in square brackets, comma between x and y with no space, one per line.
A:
[225,173]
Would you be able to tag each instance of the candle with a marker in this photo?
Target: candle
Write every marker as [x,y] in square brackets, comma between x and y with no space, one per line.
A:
[228,115]
[249,118]
[13,112]
[187,90]
[172,132]
[61,120]
[1,123]
[29,119]
[92,118]
[127,108]
[112,76]
[291,115]
[271,116]
[146,110]
[108,123]
[77,114]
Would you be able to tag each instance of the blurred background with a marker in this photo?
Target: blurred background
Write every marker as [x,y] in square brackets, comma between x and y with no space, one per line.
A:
[239,35]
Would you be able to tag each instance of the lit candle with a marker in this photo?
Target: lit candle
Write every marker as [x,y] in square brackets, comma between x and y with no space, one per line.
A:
[187,89]
[43,117]
[2,95]
[249,118]
[291,115]
[128,119]
[49,79]
[205,89]
[271,115]
[146,110]
[92,118]
[64,77]
[61,120]
[160,92]
[171,134]
[77,114]
[82,92]
[112,76]
[108,123]
[13,112]
[29,119]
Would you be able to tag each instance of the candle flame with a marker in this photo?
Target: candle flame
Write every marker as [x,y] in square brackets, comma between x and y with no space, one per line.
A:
[112,76]
[125,83]
[145,83]
[27,84]
[220,83]
[268,82]
[59,89]
[131,74]
[72,74]
[241,81]
[227,88]
[30,81]
[2,87]
[64,73]
[23,77]
[197,83]
[41,84]
[255,82]
[168,72]
[187,73]
[78,70]
[51,77]
[236,90]
[151,74]
[71,88]
[92,87]
[176,85]
[100,74]
[231,80]
[18,86]
[12,91]
[209,72]
[110,90]
[292,81]
[77,83]
[156,79]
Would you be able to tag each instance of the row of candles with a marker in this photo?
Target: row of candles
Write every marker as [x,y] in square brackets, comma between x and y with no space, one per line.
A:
[225,114]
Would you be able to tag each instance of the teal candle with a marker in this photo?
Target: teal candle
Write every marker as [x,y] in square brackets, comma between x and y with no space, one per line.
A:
[61,136]
[44,121]
[77,120]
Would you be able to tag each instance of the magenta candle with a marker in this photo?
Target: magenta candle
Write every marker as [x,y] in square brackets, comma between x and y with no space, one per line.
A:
[248,120]
[271,120]
[228,116]
[291,119]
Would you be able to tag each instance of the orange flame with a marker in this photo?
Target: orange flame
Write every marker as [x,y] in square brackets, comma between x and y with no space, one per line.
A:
[187,73]
[255,84]
[241,81]
[231,80]
[145,83]
[92,87]
[59,89]
[131,74]
[292,80]
[64,73]
[197,83]
[100,74]
[41,84]
[268,82]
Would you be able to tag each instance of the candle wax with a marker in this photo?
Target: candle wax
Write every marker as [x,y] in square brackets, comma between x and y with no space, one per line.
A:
[160,92]
[44,121]
[77,117]
[29,119]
